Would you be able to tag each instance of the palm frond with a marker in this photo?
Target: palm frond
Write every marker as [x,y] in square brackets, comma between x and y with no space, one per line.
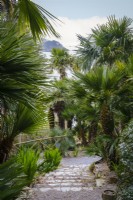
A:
[22,72]
[30,15]
[12,180]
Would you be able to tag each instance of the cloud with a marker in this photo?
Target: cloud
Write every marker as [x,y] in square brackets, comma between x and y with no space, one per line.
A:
[69,28]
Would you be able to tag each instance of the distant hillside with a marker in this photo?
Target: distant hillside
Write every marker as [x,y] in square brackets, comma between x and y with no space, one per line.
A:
[50,44]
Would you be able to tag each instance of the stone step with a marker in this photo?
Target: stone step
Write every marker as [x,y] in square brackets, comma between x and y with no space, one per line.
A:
[63,189]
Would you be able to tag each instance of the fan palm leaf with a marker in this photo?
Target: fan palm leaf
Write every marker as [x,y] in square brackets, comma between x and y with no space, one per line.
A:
[12,180]
[20,119]
[60,60]
[22,73]
[107,43]
[30,15]
[101,86]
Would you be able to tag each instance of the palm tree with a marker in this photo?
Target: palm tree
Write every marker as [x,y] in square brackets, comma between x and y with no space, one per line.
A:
[19,119]
[56,101]
[60,60]
[102,85]
[28,15]
[107,43]
[22,80]
[22,71]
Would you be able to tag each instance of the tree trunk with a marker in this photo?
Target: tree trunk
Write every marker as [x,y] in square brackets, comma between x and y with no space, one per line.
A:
[82,133]
[58,108]
[107,120]
[92,131]
[69,124]
[62,73]
[61,121]
[5,148]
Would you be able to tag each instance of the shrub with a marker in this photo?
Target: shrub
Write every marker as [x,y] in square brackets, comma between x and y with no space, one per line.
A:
[106,147]
[12,180]
[51,160]
[126,163]
[28,158]
[63,143]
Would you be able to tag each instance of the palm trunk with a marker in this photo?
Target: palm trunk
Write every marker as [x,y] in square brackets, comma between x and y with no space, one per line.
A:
[5,148]
[61,121]
[69,124]
[58,108]
[82,133]
[107,120]
[92,131]
[62,73]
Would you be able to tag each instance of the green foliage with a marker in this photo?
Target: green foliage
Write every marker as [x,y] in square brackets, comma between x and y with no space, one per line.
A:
[12,180]
[98,146]
[20,119]
[126,163]
[60,60]
[22,67]
[22,78]
[34,17]
[28,158]
[92,167]
[75,152]
[126,193]
[108,43]
[104,146]
[63,143]
[51,160]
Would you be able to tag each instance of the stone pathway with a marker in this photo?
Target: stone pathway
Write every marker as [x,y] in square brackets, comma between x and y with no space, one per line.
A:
[71,181]
[73,175]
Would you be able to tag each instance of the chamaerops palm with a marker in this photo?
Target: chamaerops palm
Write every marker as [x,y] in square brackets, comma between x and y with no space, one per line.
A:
[107,43]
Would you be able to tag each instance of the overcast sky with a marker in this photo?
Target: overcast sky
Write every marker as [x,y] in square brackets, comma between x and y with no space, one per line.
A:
[80,16]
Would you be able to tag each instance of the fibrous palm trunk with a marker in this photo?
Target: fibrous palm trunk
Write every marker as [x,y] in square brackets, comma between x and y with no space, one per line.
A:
[58,108]
[82,133]
[62,73]
[92,131]
[107,120]
[5,147]
[69,124]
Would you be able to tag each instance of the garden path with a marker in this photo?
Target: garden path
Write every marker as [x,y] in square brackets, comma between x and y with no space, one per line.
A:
[71,181]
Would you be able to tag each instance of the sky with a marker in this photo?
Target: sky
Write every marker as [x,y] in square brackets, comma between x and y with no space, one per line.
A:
[80,16]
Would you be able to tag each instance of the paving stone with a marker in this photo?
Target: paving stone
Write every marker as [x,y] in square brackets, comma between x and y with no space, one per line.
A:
[45,189]
[65,189]
[76,188]
[69,177]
